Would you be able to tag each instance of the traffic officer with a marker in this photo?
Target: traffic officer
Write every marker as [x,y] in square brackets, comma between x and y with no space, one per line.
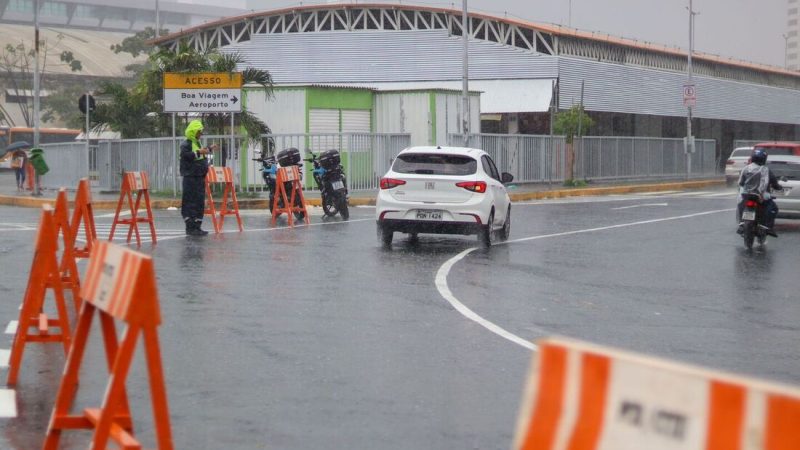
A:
[194,166]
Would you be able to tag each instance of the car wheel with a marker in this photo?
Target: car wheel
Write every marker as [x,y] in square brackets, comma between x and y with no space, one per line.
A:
[506,230]
[485,235]
[385,235]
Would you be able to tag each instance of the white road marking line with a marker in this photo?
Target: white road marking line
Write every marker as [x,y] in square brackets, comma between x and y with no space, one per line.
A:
[723,194]
[641,205]
[654,193]
[688,194]
[8,403]
[444,270]
[121,213]
[5,355]
[17,229]
[577,200]
[12,327]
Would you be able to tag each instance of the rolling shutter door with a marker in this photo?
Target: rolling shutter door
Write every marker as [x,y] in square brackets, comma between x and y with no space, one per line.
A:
[323,121]
[356,121]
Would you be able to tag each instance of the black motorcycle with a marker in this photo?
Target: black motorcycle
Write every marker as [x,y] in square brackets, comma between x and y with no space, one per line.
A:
[269,171]
[331,182]
[752,225]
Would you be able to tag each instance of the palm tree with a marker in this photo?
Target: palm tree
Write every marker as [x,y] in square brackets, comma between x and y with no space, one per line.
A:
[127,112]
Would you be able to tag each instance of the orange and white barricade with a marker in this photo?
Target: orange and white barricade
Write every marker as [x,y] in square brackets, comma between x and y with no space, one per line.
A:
[138,183]
[83,214]
[120,284]
[581,397]
[222,175]
[67,267]
[291,176]
[44,274]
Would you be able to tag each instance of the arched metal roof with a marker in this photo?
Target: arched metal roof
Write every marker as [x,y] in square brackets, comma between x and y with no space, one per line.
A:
[535,37]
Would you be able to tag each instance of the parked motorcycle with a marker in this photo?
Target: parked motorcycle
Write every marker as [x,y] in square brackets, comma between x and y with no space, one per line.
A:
[269,171]
[331,182]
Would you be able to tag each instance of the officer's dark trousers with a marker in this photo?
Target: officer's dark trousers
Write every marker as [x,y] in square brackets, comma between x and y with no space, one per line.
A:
[193,200]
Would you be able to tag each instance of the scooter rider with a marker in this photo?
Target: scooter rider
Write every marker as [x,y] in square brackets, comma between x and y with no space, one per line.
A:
[756,178]
[194,166]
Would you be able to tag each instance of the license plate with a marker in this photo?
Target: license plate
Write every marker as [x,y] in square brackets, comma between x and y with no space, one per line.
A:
[337,185]
[749,215]
[427,214]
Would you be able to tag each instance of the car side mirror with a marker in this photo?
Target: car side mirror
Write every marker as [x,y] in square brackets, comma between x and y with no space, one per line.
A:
[506,178]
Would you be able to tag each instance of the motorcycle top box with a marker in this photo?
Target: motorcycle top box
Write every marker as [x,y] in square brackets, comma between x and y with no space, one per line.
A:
[288,157]
[329,159]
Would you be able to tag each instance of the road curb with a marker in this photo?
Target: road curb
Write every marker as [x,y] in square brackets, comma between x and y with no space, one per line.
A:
[261,203]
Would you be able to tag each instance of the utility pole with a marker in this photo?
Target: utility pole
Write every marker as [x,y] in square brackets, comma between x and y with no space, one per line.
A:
[36,89]
[465,78]
[689,137]
[158,21]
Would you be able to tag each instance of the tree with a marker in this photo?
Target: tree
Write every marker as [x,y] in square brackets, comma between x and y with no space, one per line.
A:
[18,62]
[570,123]
[146,96]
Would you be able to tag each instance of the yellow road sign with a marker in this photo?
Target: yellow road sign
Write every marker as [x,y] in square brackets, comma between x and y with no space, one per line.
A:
[205,80]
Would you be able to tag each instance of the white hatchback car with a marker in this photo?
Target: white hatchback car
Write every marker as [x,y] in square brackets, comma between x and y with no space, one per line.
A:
[739,158]
[449,190]
[787,170]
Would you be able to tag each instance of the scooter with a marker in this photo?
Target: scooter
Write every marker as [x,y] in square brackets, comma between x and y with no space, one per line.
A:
[331,182]
[269,171]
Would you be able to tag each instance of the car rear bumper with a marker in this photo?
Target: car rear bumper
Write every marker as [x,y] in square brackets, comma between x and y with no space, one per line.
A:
[426,226]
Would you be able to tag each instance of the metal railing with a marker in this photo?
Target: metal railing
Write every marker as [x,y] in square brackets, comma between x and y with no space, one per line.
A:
[533,159]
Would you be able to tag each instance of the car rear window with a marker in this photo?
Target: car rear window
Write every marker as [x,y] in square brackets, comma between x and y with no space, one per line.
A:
[435,164]
[785,169]
[782,151]
[741,152]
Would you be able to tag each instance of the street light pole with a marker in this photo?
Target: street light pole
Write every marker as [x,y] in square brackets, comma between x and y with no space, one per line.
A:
[465,77]
[689,141]
[36,88]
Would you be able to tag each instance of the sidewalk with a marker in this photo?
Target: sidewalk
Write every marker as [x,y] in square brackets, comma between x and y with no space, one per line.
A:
[518,192]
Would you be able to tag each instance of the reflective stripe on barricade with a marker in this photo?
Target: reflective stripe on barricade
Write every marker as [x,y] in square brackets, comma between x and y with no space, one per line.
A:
[222,175]
[581,396]
[120,284]
[44,274]
[134,182]
[291,176]
[83,214]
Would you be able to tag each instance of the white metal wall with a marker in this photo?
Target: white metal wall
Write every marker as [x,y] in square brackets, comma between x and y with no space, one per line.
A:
[285,112]
[636,90]
[404,112]
[373,56]
[448,115]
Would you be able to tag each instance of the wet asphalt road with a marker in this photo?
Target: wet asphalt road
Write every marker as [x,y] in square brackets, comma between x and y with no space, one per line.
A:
[316,337]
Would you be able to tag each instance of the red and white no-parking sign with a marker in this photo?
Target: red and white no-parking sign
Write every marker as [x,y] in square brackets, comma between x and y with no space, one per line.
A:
[689,95]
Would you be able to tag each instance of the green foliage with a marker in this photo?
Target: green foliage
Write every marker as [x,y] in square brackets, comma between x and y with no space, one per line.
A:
[133,105]
[575,183]
[567,122]
[138,43]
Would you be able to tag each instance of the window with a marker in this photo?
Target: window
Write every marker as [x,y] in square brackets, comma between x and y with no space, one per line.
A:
[785,169]
[56,9]
[490,168]
[85,11]
[21,6]
[435,164]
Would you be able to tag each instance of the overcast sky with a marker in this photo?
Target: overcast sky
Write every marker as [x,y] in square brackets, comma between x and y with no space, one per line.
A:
[750,30]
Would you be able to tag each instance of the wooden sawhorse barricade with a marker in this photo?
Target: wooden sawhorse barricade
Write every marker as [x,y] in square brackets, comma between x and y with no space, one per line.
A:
[137,182]
[291,176]
[83,214]
[119,284]
[222,175]
[44,275]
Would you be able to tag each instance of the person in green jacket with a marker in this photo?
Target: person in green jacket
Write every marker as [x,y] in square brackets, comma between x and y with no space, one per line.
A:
[193,167]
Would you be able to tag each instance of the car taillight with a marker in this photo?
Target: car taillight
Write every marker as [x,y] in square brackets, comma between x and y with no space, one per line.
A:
[730,162]
[474,186]
[750,204]
[390,183]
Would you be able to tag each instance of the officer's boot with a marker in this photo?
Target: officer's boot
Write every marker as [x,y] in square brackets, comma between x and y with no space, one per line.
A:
[189,222]
[198,231]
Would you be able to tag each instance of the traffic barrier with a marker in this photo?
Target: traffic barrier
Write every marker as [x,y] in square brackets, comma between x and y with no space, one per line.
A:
[44,275]
[29,176]
[134,182]
[581,396]
[83,214]
[290,175]
[120,285]
[67,267]
[222,175]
